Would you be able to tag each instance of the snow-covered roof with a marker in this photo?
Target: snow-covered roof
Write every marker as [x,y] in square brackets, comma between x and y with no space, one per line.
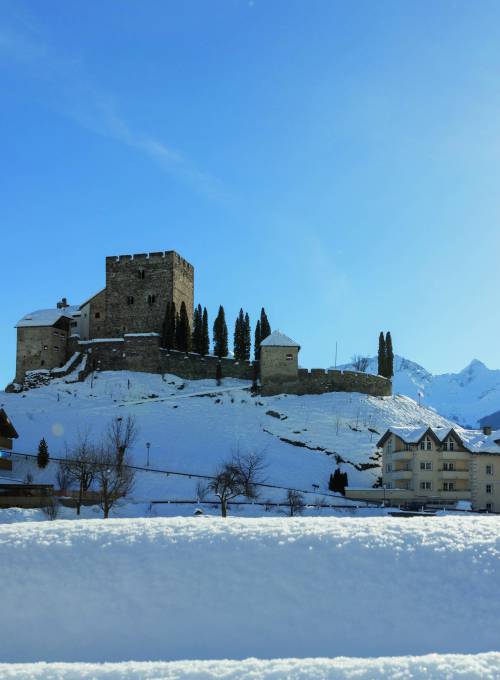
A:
[278,339]
[474,441]
[47,317]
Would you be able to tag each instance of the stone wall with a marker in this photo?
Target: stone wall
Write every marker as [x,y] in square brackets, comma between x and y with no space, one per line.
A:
[138,288]
[41,347]
[319,381]
[142,353]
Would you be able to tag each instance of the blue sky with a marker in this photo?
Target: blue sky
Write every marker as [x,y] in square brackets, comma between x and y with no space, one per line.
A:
[336,162]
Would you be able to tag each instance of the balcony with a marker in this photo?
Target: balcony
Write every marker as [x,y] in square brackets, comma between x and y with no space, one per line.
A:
[402,474]
[453,474]
[454,455]
[402,455]
[458,495]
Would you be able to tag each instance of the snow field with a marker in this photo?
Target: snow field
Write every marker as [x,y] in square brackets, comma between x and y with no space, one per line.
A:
[174,589]
[431,667]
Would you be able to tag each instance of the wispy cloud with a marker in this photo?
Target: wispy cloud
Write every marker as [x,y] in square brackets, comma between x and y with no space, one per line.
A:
[73,94]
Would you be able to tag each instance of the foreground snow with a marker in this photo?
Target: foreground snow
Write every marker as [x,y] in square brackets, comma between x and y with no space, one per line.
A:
[433,666]
[205,588]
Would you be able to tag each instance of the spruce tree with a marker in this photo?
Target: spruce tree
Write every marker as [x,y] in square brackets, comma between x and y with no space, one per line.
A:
[169,327]
[205,339]
[247,339]
[183,330]
[220,334]
[42,458]
[197,330]
[389,356]
[238,340]
[381,354]
[265,328]
[256,344]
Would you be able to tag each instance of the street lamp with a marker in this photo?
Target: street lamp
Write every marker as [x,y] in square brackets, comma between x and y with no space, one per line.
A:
[148,446]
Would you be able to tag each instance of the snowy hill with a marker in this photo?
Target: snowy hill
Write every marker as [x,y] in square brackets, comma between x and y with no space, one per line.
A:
[193,425]
[465,397]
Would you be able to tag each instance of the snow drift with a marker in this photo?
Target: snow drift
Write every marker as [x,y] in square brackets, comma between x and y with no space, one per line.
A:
[435,666]
[208,589]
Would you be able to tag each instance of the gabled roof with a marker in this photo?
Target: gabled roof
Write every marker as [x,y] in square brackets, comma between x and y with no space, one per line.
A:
[46,317]
[473,441]
[91,298]
[7,429]
[279,339]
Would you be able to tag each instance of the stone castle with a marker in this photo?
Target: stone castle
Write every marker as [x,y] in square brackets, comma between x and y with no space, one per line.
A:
[120,328]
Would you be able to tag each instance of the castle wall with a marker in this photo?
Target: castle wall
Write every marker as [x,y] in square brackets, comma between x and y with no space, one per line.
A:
[41,347]
[143,353]
[278,363]
[319,381]
[138,288]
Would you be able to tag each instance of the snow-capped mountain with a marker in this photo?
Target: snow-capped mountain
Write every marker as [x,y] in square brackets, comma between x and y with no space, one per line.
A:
[467,397]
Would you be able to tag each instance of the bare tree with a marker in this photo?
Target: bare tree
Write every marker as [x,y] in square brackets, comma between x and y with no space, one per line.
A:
[79,467]
[251,467]
[50,507]
[121,435]
[62,477]
[201,492]
[237,477]
[113,481]
[360,363]
[294,502]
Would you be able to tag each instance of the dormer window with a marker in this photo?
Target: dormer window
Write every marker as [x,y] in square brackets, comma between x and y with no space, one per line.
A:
[426,444]
[141,273]
[448,444]
[389,445]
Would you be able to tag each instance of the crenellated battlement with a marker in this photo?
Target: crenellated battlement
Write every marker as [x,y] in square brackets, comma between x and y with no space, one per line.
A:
[145,257]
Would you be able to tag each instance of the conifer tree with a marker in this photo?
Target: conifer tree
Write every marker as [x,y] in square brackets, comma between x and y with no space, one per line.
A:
[247,339]
[389,356]
[256,344]
[381,354]
[220,334]
[238,341]
[338,482]
[205,339]
[265,328]
[197,330]
[169,327]
[42,458]
[183,331]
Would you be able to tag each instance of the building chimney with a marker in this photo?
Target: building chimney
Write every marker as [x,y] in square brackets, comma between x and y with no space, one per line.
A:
[487,430]
[63,304]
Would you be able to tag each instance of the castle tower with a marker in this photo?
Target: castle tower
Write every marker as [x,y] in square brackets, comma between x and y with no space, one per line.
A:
[138,288]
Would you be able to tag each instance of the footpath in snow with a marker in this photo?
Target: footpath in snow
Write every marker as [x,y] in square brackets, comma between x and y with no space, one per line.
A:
[434,666]
[207,588]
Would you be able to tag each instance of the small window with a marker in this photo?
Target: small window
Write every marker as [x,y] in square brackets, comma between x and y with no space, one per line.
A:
[45,347]
[451,444]
[426,444]
[489,488]
[289,357]
[448,467]
[489,507]
[74,324]
[388,467]
[426,486]
[489,469]
[389,445]
[448,486]
[42,363]
[130,299]
[425,465]
[151,299]
[97,315]
[408,447]
[141,273]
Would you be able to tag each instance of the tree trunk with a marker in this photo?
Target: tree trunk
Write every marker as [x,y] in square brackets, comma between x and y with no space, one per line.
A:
[80,498]
[223,507]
